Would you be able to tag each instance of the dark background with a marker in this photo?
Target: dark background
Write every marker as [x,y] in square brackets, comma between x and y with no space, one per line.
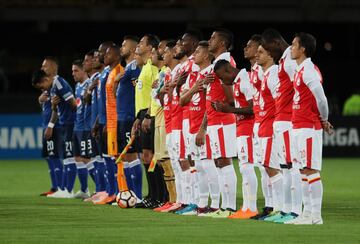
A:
[31,30]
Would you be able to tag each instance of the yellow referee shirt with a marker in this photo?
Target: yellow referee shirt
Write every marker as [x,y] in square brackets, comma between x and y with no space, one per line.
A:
[147,75]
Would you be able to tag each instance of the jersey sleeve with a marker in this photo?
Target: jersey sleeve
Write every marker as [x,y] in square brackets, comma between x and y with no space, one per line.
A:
[63,90]
[273,81]
[245,86]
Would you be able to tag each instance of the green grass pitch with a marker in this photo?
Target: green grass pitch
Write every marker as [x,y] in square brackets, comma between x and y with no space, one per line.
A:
[27,218]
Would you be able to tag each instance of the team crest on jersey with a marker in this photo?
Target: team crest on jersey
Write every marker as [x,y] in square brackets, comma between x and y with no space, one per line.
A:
[296,98]
[166,99]
[195,99]
[78,102]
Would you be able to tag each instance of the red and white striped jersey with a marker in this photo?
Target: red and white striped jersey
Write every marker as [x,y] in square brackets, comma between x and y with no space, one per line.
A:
[243,92]
[167,103]
[305,111]
[284,90]
[215,92]
[256,76]
[267,101]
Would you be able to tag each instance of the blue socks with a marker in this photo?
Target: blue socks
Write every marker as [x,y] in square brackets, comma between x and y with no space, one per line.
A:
[110,173]
[100,175]
[82,172]
[136,177]
[52,174]
[70,174]
[92,171]
[58,171]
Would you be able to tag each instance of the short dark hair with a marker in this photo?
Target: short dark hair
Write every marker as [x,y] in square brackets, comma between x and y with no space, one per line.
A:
[203,44]
[152,40]
[91,53]
[171,43]
[227,36]
[270,35]
[256,38]
[220,64]
[194,34]
[307,41]
[78,62]
[53,59]
[132,38]
[37,76]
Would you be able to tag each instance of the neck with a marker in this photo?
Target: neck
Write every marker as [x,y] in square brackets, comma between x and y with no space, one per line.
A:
[183,59]
[173,63]
[160,64]
[113,65]
[252,61]
[300,59]
[91,72]
[130,58]
[266,66]
[145,57]
[235,73]
[204,65]
[218,52]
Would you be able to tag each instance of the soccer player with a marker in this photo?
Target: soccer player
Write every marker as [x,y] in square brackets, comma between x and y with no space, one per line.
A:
[243,94]
[125,108]
[142,111]
[221,127]
[194,95]
[256,76]
[49,148]
[275,43]
[80,135]
[63,109]
[99,126]
[267,97]
[171,169]
[309,118]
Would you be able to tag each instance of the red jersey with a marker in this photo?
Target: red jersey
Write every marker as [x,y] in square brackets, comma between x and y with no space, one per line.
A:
[243,92]
[256,77]
[167,104]
[267,101]
[285,91]
[215,92]
[305,112]
[197,105]
[176,109]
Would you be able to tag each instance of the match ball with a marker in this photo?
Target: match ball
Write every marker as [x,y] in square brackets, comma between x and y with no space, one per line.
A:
[126,199]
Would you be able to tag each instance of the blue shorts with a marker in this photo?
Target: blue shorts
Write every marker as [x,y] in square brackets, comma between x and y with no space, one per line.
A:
[52,148]
[124,135]
[67,131]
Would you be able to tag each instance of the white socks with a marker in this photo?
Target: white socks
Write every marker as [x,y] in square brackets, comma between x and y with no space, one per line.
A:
[229,181]
[305,195]
[203,184]
[296,191]
[178,185]
[278,191]
[187,189]
[287,190]
[316,193]
[266,187]
[213,181]
[249,186]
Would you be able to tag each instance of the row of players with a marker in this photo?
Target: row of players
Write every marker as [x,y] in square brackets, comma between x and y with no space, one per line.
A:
[193,111]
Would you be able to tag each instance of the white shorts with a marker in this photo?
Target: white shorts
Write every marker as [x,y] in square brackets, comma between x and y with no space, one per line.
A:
[222,140]
[177,145]
[187,137]
[202,152]
[283,145]
[245,149]
[256,144]
[308,147]
[268,154]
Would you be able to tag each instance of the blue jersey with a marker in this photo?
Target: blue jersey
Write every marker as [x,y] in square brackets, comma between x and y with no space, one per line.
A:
[101,95]
[125,93]
[46,112]
[93,106]
[63,90]
[80,119]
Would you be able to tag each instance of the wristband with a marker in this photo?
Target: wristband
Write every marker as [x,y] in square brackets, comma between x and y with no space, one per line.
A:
[51,125]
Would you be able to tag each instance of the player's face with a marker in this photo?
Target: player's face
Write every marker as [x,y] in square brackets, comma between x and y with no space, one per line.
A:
[109,56]
[200,55]
[161,48]
[296,49]
[45,84]
[262,56]
[102,51]
[250,49]
[88,63]
[143,46]
[125,48]
[224,75]
[138,59]
[154,57]
[49,67]
[214,42]
[186,43]
[77,73]
[96,61]
[179,54]
[168,56]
